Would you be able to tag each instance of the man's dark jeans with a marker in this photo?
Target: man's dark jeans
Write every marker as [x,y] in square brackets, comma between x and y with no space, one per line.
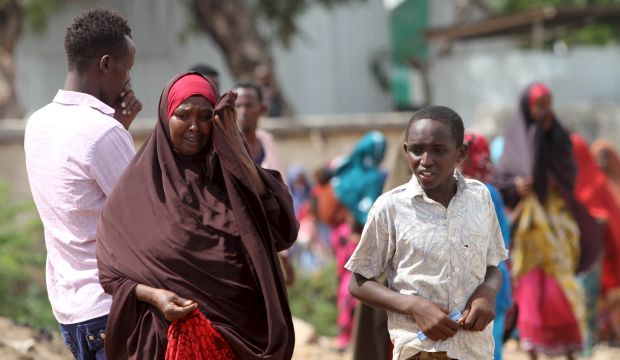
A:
[85,339]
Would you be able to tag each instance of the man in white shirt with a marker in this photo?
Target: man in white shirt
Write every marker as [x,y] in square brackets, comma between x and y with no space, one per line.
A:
[76,148]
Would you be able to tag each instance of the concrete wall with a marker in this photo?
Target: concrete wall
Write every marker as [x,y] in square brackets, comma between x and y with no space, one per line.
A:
[311,141]
[325,71]
[471,80]
[475,76]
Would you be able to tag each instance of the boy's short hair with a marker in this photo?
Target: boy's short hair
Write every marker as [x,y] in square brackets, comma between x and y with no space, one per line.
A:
[92,34]
[204,69]
[252,86]
[444,115]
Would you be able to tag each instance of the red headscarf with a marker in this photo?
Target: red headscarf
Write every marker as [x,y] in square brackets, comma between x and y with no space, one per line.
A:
[189,85]
[537,91]
[591,188]
[478,165]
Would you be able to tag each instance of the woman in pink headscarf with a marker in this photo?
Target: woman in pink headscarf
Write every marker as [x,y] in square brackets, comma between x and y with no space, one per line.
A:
[187,242]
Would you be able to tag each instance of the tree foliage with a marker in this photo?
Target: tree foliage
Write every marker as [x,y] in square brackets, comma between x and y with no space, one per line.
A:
[511,6]
[590,33]
[37,12]
[282,15]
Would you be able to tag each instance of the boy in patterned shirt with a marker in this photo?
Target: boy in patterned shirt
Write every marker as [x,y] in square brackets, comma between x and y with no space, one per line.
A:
[439,241]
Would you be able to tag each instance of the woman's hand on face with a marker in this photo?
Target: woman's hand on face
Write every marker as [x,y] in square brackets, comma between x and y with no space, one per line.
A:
[226,120]
[171,305]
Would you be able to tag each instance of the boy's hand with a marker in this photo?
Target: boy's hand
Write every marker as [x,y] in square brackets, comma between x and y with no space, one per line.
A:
[433,320]
[480,309]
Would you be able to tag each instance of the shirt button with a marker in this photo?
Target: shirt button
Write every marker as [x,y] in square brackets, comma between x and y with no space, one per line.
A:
[457,269]
[467,252]
[453,238]
[457,301]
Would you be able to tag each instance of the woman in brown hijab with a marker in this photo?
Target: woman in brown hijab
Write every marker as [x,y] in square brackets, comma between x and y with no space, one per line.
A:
[194,224]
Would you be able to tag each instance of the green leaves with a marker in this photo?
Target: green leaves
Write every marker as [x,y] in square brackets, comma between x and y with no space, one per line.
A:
[313,299]
[590,32]
[23,296]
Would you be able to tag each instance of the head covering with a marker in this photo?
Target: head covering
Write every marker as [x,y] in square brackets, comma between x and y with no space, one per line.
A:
[299,192]
[537,90]
[358,181]
[530,150]
[478,165]
[196,226]
[612,168]
[189,85]
[592,190]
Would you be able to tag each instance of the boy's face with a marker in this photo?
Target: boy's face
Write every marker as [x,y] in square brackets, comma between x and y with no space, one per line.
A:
[432,155]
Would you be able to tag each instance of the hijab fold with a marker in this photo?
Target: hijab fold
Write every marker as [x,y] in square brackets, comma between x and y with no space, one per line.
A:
[196,226]
[358,180]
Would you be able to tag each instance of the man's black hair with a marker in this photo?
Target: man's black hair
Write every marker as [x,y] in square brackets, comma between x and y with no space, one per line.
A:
[252,86]
[444,115]
[204,69]
[93,34]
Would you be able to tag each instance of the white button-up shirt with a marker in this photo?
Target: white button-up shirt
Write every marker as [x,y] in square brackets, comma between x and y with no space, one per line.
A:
[436,253]
[75,152]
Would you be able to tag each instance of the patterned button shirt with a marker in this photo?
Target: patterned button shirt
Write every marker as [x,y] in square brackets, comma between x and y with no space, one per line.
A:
[437,253]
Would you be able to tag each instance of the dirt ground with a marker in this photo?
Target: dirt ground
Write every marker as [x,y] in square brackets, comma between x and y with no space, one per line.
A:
[23,343]
[310,347]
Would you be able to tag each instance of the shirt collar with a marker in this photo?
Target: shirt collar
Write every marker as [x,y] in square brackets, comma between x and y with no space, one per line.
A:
[415,189]
[65,97]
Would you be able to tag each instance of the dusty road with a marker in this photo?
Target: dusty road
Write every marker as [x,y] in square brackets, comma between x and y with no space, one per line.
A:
[22,343]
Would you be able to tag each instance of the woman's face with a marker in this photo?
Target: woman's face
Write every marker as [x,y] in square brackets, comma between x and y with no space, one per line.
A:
[602,158]
[191,125]
[541,109]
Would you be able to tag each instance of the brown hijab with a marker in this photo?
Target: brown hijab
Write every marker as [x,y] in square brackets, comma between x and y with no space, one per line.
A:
[196,226]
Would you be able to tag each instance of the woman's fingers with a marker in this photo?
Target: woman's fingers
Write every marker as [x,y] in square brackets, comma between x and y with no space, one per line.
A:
[178,310]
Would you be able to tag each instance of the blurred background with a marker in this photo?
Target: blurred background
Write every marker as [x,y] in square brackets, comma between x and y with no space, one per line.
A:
[336,69]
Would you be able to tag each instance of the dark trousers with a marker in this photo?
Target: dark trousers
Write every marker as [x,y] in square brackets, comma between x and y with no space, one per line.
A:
[85,339]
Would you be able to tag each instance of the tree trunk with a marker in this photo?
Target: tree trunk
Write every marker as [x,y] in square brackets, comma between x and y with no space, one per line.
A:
[232,24]
[11,24]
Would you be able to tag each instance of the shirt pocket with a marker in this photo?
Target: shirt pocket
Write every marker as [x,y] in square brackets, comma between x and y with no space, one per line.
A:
[475,251]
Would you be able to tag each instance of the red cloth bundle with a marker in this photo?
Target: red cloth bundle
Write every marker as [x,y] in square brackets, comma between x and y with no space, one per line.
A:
[194,338]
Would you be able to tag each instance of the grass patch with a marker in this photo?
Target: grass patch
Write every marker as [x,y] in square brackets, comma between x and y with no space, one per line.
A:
[313,299]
